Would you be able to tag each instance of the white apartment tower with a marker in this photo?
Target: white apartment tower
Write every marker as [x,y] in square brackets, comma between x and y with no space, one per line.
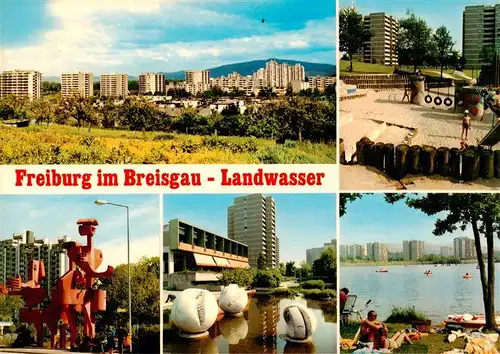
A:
[251,220]
[413,250]
[114,85]
[151,83]
[21,83]
[280,75]
[464,248]
[197,77]
[77,83]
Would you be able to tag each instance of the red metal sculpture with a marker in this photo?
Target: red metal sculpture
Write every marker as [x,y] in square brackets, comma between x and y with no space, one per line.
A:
[75,292]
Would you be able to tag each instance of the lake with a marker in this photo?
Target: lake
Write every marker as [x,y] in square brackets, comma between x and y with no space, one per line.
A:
[258,331]
[444,292]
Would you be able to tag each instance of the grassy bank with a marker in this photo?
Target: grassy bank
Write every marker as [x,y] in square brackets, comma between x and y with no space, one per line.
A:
[433,343]
[58,144]
[367,68]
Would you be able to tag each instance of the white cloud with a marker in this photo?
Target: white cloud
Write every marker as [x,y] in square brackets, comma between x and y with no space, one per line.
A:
[94,35]
[115,251]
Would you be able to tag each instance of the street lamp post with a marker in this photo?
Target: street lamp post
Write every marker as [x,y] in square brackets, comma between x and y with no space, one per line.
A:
[104,202]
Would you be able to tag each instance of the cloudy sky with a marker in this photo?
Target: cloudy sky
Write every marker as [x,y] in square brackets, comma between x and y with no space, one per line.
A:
[302,220]
[54,216]
[161,35]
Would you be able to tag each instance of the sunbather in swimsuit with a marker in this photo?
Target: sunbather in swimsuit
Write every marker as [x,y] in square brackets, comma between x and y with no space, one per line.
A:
[373,331]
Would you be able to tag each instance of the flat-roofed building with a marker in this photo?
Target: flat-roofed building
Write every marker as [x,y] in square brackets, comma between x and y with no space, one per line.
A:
[114,85]
[188,248]
[77,83]
[381,48]
[151,83]
[21,83]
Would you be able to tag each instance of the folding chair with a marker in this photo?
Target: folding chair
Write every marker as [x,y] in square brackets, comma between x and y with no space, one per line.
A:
[348,308]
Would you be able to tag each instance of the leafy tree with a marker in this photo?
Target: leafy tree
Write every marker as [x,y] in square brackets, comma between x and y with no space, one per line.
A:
[133,86]
[268,278]
[13,107]
[145,276]
[326,265]
[261,262]
[415,40]
[178,93]
[282,268]
[241,277]
[290,269]
[139,114]
[42,110]
[488,53]
[444,44]
[305,269]
[352,32]
[49,88]
[230,110]
[9,306]
[346,198]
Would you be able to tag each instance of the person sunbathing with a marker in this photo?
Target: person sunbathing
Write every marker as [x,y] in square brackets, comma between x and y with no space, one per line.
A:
[373,331]
[397,340]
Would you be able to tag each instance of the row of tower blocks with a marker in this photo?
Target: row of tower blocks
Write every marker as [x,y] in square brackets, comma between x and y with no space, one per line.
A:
[275,75]
[480,27]
[16,252]
[463,248]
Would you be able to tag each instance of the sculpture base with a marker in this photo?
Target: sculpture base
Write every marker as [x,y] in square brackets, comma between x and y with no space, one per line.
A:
[239,314]
[187,335]
[294,340]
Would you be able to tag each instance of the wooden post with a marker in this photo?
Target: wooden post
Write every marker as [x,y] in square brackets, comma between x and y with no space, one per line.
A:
[389,159]
[378,156]
[455,157]
[443,161]
[414,160]
[470,165]
[427,158]
[401,160]
[487,164]
[368,153]
[497,163]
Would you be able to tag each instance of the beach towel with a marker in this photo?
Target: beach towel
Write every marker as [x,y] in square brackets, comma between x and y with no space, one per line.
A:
[371,351]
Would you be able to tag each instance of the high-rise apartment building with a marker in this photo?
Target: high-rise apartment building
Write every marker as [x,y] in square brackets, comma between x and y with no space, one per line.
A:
[251,220]
[381,48]
[377,251]
[446,251]
[197,77]
[413,250]
[16,253]
[77,83]
[114,85]
[21,83]
[320,82]
[280,75]
[313,254]
[151,83]
[464,248]
[480,26]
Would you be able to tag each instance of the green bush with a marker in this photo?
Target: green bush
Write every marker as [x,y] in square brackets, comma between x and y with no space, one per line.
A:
[283,292]
[313,284]
[241,277]
[317,294]
[267,278]
[405,315]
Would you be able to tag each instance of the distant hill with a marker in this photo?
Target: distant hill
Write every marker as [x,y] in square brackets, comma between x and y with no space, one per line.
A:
[245,68]
[249,67]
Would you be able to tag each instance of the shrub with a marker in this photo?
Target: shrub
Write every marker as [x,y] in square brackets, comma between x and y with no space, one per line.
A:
[241,277]
[283,292]
[313,284]
[267,278]
[405,315]
[317,294]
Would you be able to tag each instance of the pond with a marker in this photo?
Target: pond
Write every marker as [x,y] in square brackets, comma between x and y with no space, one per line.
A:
[258,330]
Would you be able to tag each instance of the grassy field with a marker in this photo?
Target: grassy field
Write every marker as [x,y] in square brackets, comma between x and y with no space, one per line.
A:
[367,68]
[433,343]
[69,145]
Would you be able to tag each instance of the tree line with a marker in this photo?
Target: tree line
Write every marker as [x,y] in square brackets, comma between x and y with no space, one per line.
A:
[289,118]
[417,44]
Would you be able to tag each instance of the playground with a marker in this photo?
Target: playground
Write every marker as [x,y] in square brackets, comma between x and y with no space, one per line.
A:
[392,109]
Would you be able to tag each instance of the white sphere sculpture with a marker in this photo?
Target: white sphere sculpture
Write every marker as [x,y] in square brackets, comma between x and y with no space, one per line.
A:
[234,329]
[233,300]
[194,311]
[300,323]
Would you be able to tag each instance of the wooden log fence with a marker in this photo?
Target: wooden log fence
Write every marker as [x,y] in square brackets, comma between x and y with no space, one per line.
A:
[376,81]
[402,160]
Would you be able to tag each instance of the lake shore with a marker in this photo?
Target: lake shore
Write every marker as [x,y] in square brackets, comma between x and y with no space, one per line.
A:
[395,263]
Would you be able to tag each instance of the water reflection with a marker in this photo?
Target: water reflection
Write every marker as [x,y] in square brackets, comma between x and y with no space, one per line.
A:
[258,331]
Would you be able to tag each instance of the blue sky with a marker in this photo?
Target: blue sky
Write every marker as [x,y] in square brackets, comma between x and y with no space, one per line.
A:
[371,219]
[436,13]
[152,35]
[54,216]
[302,220]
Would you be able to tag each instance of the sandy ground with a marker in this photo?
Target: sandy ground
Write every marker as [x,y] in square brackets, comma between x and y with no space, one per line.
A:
[437,126]
[365,178]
